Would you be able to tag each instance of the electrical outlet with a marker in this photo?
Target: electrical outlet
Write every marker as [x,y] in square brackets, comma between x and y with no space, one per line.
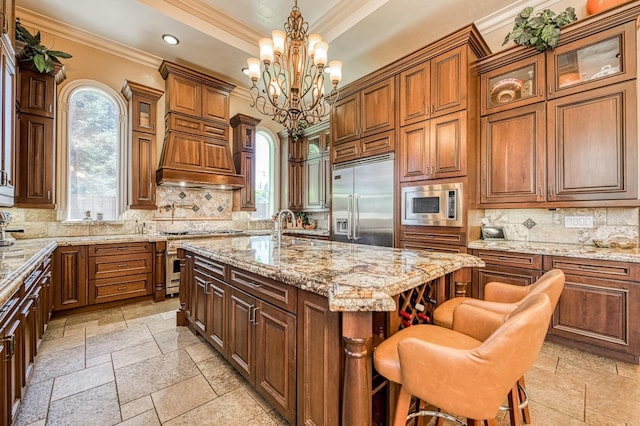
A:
[578,221]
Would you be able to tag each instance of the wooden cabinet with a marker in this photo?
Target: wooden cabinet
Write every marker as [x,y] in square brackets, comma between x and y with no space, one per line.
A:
[357,119]
[35,148]
[295,188]
[142,144]
[415,94]
[507,267]
[599,307]
[316,183]
[244,157]
[430,238]
[7,123]
[449,85]
[13,338]
[70,277]
[434,149]
[575,143]
[28,322]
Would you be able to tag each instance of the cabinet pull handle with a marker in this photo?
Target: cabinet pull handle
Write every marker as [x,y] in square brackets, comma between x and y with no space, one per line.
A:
[122,265]
[550,89]
[121,248]
[504,258]
[587,267]
[550,192]
[50,107]
[206,287]
[11,346]
[48,195]
[122,288]
[431,109]
[541,91]
[255,316]
[249,314]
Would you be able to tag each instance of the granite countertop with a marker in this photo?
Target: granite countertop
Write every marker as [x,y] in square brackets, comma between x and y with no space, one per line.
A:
[354,277]
[18,261]
[310,232]
[555,249]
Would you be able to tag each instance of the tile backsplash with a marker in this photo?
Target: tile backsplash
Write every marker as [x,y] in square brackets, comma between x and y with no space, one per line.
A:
[548,225]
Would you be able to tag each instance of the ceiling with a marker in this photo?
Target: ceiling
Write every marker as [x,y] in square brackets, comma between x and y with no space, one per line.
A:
[218,35]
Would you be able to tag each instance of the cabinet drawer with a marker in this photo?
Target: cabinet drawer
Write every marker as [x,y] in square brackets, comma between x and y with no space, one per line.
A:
[115,266]
[429,235]
[198,127]
[210,268]
[594,268]
[427,246]
[106,290]
[123,248]
[520,260]
[278,294]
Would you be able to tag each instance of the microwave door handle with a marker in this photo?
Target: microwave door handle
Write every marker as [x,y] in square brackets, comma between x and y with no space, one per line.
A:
[356,216]
[349,218]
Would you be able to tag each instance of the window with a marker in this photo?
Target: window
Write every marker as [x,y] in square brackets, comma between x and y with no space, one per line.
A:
[265,176]
[91,161]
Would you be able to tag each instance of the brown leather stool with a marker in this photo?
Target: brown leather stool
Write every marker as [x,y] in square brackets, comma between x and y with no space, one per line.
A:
[469,369]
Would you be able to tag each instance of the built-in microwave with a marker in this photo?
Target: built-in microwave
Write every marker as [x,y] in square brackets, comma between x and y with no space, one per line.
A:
[432,205]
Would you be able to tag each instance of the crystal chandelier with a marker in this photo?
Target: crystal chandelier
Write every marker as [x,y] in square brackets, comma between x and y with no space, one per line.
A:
[292,68]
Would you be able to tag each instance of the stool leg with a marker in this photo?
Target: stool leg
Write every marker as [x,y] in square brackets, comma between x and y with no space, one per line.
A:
[526,416]
[402,407]
[514,411]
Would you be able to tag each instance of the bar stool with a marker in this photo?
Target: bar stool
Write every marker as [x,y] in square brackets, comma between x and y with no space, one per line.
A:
[504,298]
[469,369]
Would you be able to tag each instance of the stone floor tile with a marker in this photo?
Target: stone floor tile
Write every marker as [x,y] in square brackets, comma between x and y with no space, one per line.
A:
[277,418]
[96,329]
[138,406]
[596,417]
[547,362]
[135,354]
[145,377]
[177,399]
[103,316]
[58,322]
[628,370]
[148,418]
[561,393]
[102,359]
[222,377]
[175,339]
[169,315]
[200,351]
[35,403]
[114,341]
[616,396]
[49,365]
[139,310]
[163,324]
[81,380]
[234,408]
[170,304]
[257,397]
[42,422]
[53,333]
[62,343]
[95,406]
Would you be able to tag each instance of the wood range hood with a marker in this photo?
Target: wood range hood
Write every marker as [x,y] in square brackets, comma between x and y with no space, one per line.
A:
[196,150]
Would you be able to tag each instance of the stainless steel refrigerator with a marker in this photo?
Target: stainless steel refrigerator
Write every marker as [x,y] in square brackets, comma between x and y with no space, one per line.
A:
[362,201]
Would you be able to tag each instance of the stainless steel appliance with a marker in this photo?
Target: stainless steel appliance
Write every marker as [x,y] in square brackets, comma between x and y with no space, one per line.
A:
[432,205]
[362,201]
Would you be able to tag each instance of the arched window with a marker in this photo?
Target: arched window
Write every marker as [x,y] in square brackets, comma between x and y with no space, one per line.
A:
[265,176]
[92,152]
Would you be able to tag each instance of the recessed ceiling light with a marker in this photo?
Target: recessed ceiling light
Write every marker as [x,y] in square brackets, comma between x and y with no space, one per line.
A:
[170,39]
[245,71]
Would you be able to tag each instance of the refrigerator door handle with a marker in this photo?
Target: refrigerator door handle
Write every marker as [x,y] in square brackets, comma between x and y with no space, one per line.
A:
[349,216]
[356,216]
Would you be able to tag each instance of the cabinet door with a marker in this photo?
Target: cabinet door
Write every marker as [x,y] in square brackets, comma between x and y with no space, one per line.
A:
[247,194]
[380,143]
[143,179]
[199,301]
[185,96]
[512,156]
[345,119]
[215,104]
[14,340]
[449,82]
[592,145]
[414,152]
[378,108]
[28,320]
[297,150]
[187,284]
[8,120]
[296,171]
[313,183]
[606,57]
[143,114]
[37,93]
[4,400]
[242,333]
[217,324]
[70,277]
[275,352]
[415,93]
[448,152]
[36,147]
[507,275]
[345,151]
[325,191]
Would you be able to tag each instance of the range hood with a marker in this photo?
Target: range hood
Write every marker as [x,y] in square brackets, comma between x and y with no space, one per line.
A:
[196,151]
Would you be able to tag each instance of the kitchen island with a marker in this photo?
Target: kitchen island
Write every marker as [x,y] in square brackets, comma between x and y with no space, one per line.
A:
[299,321]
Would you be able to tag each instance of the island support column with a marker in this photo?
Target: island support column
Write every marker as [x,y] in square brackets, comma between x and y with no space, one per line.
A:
[356,385]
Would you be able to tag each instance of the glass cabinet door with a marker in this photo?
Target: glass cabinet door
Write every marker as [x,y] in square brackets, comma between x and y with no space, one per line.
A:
[517,84]
[604,58]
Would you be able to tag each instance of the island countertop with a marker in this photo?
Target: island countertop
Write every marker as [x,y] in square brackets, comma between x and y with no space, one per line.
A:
[353,277]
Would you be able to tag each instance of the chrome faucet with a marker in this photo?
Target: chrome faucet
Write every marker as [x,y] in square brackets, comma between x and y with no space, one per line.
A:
[279,224]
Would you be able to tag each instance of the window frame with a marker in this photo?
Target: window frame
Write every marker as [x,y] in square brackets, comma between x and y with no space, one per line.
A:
[62,149]
[274,162]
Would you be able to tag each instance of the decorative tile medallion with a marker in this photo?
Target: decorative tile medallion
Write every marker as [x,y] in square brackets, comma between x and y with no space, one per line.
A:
[529,223]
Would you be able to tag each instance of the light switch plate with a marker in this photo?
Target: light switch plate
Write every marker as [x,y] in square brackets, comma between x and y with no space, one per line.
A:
[578,221]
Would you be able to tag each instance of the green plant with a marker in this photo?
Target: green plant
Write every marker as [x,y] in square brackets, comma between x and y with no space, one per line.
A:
[542,30]
[41,57]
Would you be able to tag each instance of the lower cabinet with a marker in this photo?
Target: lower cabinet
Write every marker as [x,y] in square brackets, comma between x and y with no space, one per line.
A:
[70,277]
[598,308]
[442,239]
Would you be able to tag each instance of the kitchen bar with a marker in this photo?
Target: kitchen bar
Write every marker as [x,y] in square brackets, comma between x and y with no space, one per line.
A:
[356,280]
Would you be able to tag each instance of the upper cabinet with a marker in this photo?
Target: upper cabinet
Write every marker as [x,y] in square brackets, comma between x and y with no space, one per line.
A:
[560,128]
[7,102]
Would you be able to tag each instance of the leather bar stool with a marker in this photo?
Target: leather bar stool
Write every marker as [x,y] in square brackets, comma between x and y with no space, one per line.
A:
[469,369]
[504,298]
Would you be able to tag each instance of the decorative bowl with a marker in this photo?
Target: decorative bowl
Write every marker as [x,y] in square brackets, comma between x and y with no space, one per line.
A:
[602,243]
[623,244]
[505,90]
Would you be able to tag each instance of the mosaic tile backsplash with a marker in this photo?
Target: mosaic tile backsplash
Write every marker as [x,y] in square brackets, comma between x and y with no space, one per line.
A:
[548,226]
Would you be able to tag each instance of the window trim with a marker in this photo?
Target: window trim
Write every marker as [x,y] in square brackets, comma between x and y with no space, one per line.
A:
[62,148]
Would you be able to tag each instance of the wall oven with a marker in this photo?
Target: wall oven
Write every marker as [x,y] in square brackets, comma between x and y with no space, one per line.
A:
[433,205]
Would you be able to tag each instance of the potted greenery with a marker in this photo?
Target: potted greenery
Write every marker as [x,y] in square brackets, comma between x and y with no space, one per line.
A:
[35,53]
[541,30]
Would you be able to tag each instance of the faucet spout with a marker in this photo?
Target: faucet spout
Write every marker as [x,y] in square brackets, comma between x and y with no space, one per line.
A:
[279,224]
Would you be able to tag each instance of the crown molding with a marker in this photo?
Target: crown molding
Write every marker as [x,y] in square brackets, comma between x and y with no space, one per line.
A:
[242,93]
[340,19]
[77,35]
[506,16]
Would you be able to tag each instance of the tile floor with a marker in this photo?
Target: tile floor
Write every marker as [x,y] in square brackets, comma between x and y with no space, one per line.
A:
[133,366]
